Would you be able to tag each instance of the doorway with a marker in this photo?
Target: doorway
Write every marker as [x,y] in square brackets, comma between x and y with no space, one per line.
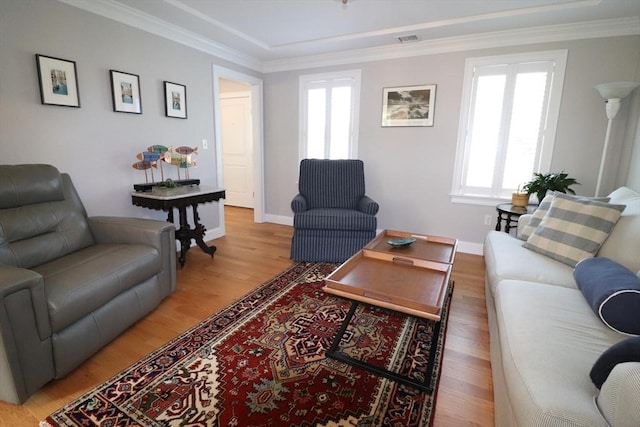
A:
[249,177]
[237,143]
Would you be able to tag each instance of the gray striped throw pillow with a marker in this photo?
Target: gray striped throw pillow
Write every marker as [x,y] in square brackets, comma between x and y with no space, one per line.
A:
[573,229]
[541,211]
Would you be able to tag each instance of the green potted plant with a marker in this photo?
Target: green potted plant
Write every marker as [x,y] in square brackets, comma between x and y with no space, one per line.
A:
[541,183]
[167,187]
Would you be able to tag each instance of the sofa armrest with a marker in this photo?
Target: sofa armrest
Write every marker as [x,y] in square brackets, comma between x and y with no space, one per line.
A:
[299,204]
[151,232]
[26,355]
[618,399]
[368,205]
[522,221]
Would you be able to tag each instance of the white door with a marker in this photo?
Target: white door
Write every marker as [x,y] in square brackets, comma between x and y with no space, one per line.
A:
[237,156]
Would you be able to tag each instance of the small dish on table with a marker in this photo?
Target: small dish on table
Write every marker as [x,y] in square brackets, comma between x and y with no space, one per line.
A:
[399,242]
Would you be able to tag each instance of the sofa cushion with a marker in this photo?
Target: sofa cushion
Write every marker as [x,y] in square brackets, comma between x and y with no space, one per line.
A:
[505,258]
[612,291]
[624,351]
[573,229]
[535,218]
[550,340]
[626,232]
[83,281]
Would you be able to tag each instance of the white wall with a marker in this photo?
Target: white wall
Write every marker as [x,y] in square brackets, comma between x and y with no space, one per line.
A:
[409,170]
[95,145]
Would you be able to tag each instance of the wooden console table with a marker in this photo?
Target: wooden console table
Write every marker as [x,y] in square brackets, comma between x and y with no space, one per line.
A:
[192,197]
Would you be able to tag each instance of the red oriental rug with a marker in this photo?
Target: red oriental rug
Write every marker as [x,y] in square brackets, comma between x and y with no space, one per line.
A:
[261,362]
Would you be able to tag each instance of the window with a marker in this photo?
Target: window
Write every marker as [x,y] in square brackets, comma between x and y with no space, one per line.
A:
[508,120]
[329,115]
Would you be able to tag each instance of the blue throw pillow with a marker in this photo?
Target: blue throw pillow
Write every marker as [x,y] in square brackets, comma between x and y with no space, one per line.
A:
[612,291]
[625,351]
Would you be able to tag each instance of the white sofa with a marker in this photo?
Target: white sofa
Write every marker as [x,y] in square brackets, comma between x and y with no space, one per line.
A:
[545,338]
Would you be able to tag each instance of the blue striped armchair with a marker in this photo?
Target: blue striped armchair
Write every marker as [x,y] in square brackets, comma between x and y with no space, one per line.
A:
[333,218]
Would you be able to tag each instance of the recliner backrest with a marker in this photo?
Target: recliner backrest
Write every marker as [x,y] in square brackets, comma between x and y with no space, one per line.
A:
[41,216]
[332,183]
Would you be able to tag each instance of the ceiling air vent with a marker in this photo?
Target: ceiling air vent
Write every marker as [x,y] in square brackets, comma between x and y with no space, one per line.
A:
[408,38]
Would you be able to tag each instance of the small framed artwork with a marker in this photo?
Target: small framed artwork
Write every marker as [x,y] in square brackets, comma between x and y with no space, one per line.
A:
[125,88]
[58,79]
[408,105]
[175,100]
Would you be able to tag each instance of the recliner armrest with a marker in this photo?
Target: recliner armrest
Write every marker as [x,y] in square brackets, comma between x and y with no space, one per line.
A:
[112,229]
[26,356]
[14,280]
[368,205]
[299,204]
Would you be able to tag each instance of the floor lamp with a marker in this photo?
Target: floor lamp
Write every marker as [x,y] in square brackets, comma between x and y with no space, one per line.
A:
[612,93]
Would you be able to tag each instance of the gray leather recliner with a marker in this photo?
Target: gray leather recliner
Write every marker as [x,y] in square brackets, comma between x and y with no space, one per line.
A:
[69,283]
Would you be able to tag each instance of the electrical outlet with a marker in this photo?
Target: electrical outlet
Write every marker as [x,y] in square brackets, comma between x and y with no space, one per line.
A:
[488,219]
[205,144]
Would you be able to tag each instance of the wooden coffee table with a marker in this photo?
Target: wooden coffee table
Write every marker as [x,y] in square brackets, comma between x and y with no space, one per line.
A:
[411,279]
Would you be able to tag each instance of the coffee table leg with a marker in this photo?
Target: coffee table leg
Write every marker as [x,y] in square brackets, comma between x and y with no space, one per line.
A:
[336,354]
[333,350]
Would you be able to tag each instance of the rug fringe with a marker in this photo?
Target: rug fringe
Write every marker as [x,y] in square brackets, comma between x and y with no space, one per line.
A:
[45,423]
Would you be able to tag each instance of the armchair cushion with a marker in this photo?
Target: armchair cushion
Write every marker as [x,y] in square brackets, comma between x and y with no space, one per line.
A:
[83,281]
[324,183]
[33,234]
[334,219]
[22,185]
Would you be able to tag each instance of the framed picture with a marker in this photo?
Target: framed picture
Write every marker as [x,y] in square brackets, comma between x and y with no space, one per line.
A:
[175,100]
[125,89]
[58,79]
[408,105]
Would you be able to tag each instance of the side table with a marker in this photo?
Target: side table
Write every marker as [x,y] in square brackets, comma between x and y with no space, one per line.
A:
[192,197]
[510,214]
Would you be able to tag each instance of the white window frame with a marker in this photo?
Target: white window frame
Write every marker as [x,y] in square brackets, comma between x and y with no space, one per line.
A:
[549,122]
[328,80]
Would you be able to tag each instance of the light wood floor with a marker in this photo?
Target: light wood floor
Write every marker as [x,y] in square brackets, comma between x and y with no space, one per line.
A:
[247,256]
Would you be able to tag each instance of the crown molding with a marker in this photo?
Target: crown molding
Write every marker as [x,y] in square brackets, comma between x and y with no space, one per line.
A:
[129,16]
[584,30]
[561,7]
[546,34]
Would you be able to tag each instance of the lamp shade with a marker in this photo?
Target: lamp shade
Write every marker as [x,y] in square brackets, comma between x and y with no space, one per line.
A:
[616,89]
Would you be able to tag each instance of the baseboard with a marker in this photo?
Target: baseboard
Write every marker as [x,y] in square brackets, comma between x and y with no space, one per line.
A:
[464,247]
[279,219]
[470,247]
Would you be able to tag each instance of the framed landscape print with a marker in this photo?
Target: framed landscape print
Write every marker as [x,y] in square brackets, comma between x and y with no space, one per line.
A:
[125,89]
[408,105]
[175,100]
[58,79]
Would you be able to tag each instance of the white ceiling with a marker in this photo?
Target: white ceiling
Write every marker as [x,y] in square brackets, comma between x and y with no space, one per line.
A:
[273,33]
